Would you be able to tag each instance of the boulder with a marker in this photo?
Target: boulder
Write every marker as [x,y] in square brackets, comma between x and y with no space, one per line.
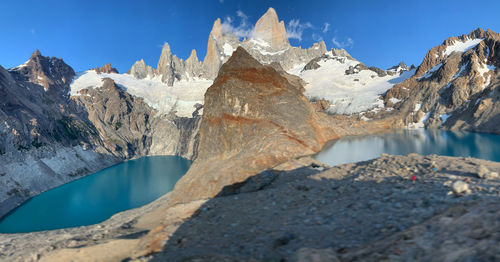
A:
[254,118]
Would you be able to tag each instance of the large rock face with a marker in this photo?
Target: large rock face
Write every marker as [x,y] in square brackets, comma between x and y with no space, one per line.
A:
[166,65]
[272,31]
[254,118]
[455,87]
[220,46]
[140,70]
[129,127]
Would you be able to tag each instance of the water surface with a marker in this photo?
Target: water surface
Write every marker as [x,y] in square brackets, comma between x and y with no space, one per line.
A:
[403,142]
[97,197]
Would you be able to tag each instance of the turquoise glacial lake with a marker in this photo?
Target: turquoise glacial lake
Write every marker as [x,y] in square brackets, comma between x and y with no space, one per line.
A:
[97,197]
[403,142]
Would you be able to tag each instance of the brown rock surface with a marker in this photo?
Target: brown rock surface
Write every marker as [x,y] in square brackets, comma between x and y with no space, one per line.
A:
[107,68]
[254,118]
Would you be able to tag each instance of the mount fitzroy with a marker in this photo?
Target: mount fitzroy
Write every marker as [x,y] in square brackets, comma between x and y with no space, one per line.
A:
[268,43]
[57,125]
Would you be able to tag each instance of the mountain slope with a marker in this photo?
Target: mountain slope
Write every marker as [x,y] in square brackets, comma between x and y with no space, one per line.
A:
[455,87]
[45,140]
[347,85]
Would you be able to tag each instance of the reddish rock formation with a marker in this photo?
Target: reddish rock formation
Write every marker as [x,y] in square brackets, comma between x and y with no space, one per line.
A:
[254,118]
[107,69]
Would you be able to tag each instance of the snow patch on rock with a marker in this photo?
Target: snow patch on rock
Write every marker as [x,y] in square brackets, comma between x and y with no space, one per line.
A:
[181,97]
[228,49]
[430,72]
[459,46]
[347,94]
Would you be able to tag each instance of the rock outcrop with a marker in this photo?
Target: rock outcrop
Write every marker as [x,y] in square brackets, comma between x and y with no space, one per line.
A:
[107,69]
[219,48]
[166,65]
[140,70]
[248,125]
[398,68]
[455,87]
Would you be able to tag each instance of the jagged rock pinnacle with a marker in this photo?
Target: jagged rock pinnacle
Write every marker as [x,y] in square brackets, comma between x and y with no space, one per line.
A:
[36,53]
[271,30]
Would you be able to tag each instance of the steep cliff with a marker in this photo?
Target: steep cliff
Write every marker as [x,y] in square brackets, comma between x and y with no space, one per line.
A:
[271,30]
[129,127]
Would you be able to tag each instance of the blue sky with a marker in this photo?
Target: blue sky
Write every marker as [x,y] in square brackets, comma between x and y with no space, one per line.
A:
[89,33]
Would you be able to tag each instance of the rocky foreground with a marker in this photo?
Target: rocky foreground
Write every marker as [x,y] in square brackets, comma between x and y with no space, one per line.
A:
[302,211]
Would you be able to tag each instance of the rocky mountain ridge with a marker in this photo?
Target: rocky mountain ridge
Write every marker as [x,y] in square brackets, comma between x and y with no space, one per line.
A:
[268,43]
[45,141]
[455,87]
[51,73]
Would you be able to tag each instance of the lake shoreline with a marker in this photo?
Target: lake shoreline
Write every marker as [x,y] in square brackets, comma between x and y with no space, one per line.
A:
[56,243]
[95,197]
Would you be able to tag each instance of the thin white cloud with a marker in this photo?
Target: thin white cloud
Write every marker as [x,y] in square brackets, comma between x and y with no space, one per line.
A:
[242,15]
[295,29]
[221,1]
[32,31]
[326,27]
[343,44]
[243,29]
[317,37]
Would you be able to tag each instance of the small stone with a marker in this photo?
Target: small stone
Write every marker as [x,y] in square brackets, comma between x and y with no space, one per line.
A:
[283,240]
[72,243]
[314,255]
[459,187]
[482,171]
[492,175]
